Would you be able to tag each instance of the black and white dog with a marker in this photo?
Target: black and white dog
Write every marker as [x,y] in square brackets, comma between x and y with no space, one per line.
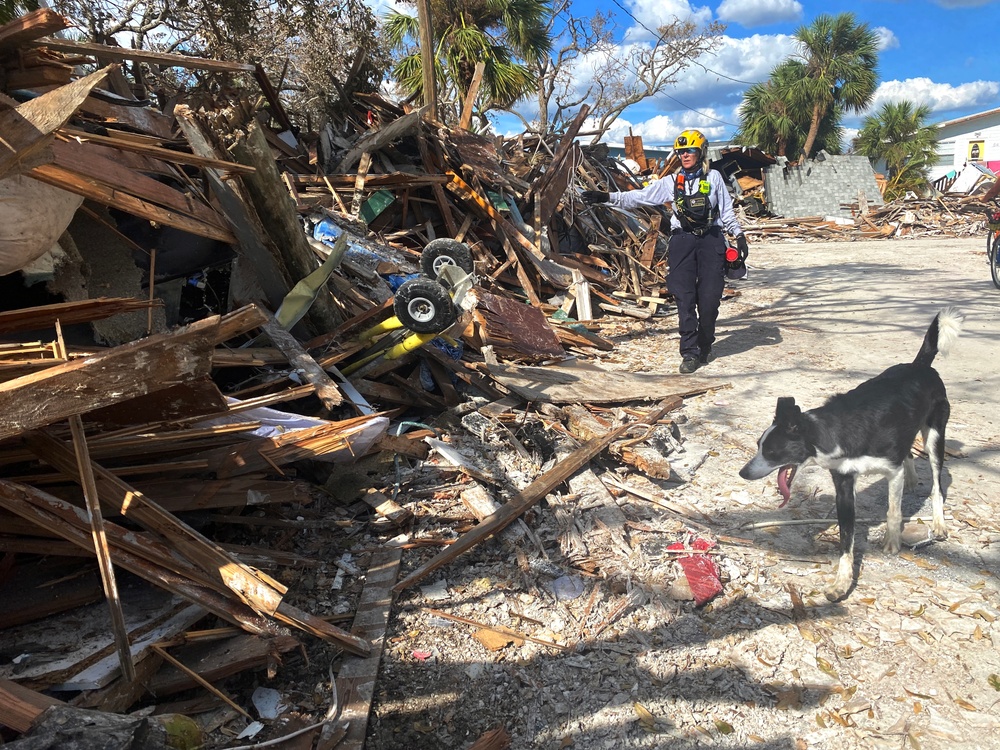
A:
[869,429]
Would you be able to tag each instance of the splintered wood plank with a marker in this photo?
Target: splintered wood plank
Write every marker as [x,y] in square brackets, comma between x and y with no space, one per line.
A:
[90,187]
[93,505]
[649,244]
[589,384]
[178,402]
[356,679]
[515,507]
[159,153]
[553,272]
[237,492]
[68,313]
[19,706]
[529,496]
[254,588]
[219,659]
[30,26]
[351,438]
[156,58]
[28,129]
[374,140]
[90,160]
[115,375]
[157,564]
[102,672]
[326,390]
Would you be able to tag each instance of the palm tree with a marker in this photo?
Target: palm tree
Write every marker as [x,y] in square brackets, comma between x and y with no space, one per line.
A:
[775,119]
[898,135]
[840,56]
[11,9]
[500,33]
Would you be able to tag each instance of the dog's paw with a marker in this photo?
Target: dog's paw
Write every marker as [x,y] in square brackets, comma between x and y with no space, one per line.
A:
[891,544]
[939,530]
[836,591]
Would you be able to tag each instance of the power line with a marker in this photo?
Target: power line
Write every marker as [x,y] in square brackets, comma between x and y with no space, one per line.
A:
[707,69]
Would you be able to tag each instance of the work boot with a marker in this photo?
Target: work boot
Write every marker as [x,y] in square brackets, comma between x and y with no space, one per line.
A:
[689,364]
[706,356]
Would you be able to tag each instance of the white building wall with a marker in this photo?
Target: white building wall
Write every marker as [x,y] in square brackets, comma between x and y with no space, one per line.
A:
[957,137]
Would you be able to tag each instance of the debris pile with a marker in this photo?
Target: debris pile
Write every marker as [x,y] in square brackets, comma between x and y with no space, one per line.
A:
[277,363]
[187,457]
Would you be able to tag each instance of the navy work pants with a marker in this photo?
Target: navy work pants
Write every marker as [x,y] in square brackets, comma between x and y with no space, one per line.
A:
[697,278]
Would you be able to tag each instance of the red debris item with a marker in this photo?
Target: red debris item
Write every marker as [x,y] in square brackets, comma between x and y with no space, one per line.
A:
[700,570]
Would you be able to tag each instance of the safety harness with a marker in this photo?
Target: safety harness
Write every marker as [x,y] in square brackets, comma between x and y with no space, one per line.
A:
[694,211]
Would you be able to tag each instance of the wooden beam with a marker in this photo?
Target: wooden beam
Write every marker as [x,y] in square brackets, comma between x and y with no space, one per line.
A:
[19,706]
[91,187]
[115,375]
[356,678]
[374,140]
[133,554]
[470,96]
[255,589]
[529,496]
[86,479]
[326,388]
[158,152]
[31,26]
[155,58]
[28,129]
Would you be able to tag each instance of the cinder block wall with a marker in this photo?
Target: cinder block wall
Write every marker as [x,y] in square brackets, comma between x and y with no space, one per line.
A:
[817,188]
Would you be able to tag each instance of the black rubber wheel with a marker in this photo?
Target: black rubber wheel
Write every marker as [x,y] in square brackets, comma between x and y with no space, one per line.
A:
[445,252]
[424,306]
[995,260]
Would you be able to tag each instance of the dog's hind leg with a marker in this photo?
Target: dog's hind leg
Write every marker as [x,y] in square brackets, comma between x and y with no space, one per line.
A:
[894,518]
[910,474]
[844,484]
[934,444]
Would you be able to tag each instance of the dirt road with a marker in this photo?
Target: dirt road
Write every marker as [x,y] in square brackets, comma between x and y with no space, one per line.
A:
[910,659]
[816,319]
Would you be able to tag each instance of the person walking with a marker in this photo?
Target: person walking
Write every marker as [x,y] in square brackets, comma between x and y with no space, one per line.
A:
[702,209]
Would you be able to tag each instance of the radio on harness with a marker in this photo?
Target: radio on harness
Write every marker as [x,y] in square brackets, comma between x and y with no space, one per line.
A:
[694,211]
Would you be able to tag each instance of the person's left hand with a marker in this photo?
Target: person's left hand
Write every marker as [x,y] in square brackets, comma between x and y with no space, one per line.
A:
[741,246]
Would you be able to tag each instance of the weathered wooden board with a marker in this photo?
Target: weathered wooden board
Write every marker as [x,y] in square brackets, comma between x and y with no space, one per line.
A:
[586,384]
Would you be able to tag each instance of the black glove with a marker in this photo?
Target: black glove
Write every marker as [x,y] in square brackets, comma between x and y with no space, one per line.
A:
[741,246]
[595,196]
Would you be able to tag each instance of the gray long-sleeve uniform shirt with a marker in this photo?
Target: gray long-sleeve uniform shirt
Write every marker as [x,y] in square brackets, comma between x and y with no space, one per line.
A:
[661,192]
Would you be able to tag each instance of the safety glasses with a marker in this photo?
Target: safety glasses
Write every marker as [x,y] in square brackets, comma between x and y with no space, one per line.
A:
[683,151]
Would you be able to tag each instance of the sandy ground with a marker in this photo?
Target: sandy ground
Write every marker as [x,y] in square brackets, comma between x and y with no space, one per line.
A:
[910,659]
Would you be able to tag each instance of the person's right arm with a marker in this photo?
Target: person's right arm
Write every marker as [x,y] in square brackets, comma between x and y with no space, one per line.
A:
[656,193]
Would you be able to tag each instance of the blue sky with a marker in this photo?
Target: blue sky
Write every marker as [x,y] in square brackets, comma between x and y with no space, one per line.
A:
[943,53]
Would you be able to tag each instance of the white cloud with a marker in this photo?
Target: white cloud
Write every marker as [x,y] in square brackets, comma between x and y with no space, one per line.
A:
[940,97]
[886,39]
[720,79]
[750,13]
[651,14]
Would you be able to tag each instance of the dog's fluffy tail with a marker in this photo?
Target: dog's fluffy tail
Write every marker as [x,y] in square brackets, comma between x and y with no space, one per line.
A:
[941,334]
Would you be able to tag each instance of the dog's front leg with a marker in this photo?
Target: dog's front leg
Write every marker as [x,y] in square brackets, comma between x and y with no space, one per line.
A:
[894,518]
[844,484]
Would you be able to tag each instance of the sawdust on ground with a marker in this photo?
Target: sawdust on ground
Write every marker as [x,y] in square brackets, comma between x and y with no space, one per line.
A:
[909,659]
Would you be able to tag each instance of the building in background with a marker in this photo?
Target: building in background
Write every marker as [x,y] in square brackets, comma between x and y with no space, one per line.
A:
[974,138]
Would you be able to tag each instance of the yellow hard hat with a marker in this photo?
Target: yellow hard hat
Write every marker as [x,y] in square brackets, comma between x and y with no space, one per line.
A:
[691,139]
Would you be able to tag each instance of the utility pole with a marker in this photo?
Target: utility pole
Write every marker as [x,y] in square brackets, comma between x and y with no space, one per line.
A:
[427,57]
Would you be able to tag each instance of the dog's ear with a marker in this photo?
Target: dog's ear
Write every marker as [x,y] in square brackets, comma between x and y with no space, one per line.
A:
[787,414]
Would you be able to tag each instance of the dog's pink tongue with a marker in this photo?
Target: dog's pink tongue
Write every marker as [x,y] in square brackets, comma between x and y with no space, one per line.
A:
[785,474]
